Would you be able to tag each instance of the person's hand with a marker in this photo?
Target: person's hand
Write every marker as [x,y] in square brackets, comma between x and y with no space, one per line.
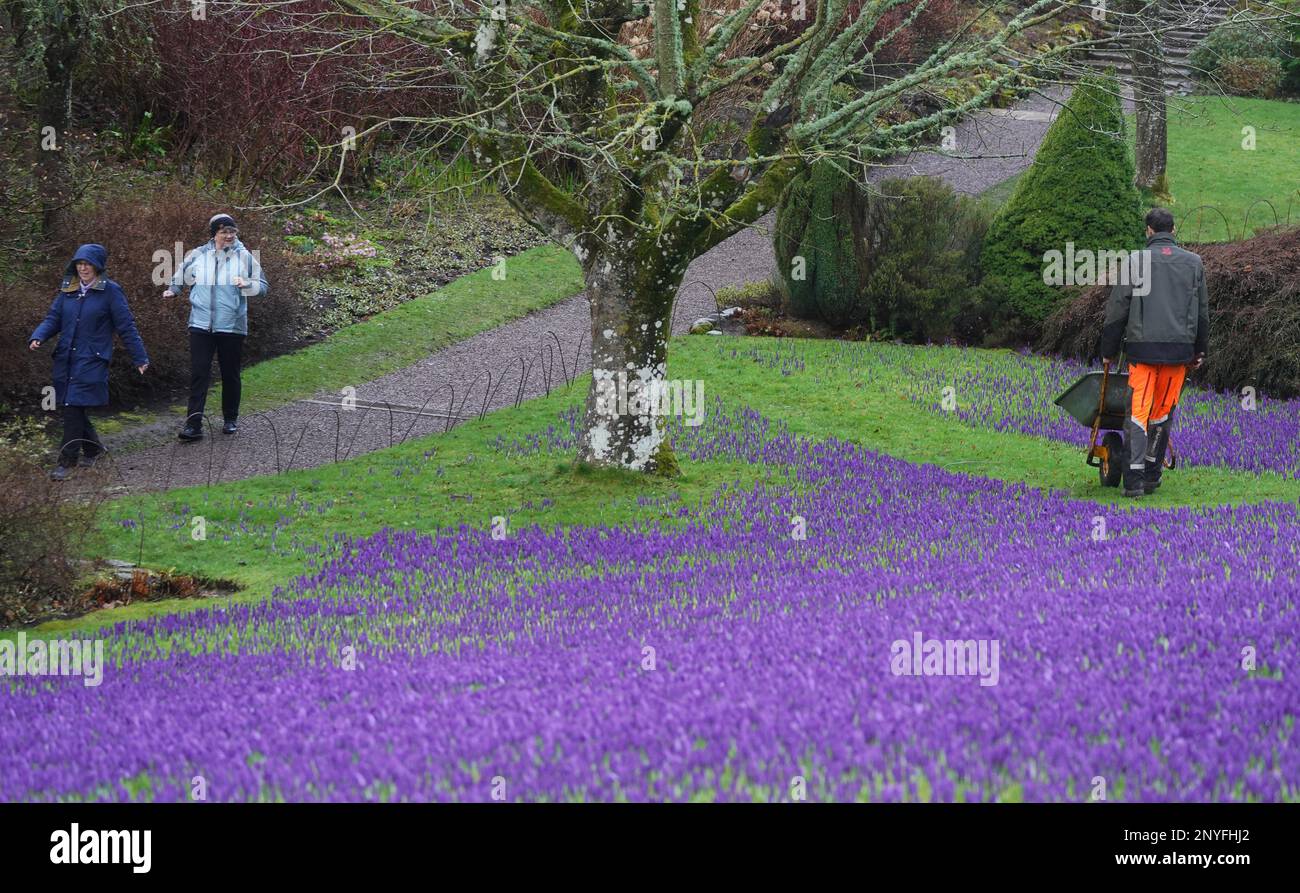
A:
[1199,361]
[240,282]
[169,294]
[35,345]
[141,369]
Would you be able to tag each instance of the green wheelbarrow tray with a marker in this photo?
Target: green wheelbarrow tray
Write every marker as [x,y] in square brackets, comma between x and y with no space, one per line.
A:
[1101,400]
[1083,398]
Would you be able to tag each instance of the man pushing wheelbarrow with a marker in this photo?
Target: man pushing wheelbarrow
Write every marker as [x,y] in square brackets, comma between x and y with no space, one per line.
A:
[1163,324]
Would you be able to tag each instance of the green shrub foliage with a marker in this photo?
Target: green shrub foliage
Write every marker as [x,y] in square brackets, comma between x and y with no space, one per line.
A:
[1245,36]
[1079,189]
[922,250]
[818,243]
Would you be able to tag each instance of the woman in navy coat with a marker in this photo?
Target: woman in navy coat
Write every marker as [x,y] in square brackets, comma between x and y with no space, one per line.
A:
[86,312]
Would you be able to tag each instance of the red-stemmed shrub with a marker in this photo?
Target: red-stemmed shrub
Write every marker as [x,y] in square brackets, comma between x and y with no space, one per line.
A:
[256,89]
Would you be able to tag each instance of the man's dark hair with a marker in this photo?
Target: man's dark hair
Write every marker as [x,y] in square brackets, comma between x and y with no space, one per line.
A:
[1160,220]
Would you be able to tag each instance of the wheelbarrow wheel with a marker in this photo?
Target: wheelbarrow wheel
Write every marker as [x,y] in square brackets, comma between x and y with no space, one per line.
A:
[1112,467]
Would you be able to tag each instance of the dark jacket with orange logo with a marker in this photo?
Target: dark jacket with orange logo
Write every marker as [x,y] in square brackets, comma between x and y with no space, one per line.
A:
[1162,314]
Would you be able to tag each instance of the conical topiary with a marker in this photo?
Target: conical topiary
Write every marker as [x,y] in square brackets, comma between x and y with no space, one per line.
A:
[1079,190]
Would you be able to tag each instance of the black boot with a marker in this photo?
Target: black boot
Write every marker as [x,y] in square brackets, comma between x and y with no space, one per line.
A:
[1133,483]
[1134,469]
[1158,442]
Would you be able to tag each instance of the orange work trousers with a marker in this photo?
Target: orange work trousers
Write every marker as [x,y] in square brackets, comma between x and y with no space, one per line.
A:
[1155,391]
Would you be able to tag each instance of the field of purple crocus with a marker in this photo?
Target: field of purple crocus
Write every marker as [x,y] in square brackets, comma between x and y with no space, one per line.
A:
[747,652]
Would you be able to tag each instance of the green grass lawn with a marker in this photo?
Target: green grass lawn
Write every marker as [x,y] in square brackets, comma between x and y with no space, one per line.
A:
[260,531]
[873,411]
[1208,165]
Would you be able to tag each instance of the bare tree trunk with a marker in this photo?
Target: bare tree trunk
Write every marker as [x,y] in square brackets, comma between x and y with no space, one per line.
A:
[1151,151]
[53,108]
[631,299]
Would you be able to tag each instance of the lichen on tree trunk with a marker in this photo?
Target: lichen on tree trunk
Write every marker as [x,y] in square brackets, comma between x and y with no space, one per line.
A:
[631,296]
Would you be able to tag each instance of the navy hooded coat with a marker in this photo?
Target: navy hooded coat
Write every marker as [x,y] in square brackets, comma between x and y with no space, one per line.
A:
[86,326]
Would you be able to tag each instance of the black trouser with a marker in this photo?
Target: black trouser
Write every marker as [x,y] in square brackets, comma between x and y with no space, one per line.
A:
[228,348]
[78,436]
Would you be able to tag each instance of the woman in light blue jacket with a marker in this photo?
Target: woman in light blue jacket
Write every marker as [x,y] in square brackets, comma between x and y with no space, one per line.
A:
[222,276]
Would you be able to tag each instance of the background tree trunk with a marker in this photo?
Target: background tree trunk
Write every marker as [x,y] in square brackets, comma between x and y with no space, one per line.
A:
[58,37]
[1151,152]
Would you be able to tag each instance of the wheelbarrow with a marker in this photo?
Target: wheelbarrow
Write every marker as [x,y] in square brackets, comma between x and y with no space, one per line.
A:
[1100,402]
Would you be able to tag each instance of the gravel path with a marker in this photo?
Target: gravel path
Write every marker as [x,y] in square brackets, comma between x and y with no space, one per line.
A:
[530,356]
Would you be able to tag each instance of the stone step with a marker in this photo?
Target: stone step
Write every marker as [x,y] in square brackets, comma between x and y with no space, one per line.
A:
[1123,68]
[1120,61]
[1125,52]
[1170,80]
[1117,47]
[1171,19]
[1192,18]
[1179,33]
[1173,83]
[1173,38]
